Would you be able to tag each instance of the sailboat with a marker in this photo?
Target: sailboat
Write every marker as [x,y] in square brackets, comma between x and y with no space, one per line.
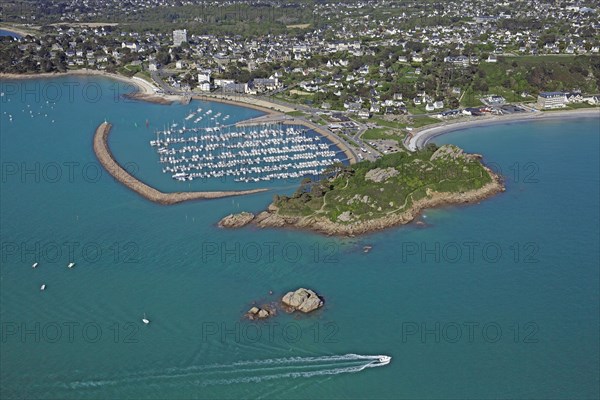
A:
[145,320]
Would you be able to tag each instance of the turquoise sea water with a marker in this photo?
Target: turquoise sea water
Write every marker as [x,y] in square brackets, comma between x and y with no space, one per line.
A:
[9,33]
[493,300]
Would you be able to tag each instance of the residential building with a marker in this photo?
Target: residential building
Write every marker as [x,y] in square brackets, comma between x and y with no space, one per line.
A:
[179,36]
[549,100]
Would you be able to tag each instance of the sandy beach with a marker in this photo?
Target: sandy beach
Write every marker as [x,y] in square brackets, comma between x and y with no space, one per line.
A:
[144,90]
[16,30]
[141,85]
[421,137]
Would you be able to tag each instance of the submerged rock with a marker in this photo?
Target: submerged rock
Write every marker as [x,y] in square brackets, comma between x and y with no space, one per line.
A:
[260,313]
[304,300]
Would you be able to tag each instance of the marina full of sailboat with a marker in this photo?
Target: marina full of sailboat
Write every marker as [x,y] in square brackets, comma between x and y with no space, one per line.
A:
[204,146]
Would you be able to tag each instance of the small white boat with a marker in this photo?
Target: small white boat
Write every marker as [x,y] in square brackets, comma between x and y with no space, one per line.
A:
[34,265]
[43,287]
[383,360]
[71,265]
[145,320]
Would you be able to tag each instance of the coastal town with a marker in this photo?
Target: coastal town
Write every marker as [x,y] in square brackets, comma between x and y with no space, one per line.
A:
[371,75]
[274,199]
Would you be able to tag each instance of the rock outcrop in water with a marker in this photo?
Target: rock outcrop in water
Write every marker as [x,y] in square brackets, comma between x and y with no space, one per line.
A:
[304,300]
[261,313]
[236,220]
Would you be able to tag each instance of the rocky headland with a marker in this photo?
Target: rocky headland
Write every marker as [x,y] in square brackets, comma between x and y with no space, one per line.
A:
[371,196]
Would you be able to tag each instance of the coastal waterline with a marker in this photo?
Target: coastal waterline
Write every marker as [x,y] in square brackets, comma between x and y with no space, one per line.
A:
[195,281]
[9,33]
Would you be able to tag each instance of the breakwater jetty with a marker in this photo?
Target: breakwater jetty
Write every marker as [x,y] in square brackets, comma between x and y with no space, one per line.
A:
[109,163]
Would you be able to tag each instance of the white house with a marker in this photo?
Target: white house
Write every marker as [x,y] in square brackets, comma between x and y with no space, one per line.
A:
[204,86]
[204,75]
[223,82]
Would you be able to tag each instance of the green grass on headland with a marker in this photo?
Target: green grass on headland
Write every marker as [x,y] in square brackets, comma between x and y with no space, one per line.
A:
[347,190]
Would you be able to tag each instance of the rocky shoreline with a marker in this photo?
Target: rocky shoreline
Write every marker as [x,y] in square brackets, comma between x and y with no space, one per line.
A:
[272,219]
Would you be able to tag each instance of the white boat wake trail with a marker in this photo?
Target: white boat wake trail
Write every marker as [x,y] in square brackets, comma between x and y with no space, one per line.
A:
[250,371]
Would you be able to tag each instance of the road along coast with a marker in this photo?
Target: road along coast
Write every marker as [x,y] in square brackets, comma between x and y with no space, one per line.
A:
[275,114]
[104,155]
[145,91]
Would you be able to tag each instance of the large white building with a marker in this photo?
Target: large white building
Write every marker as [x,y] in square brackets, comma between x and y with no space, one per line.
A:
[548,100]
[179,36]
[204,80]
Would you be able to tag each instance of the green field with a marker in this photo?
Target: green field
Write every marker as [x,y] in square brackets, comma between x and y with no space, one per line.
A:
[349,191]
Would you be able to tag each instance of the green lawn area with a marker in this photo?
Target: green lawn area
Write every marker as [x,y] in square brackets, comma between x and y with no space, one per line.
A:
[130,70]
[379,133]
[350,191]
[509,95]
[296,114]
[392,129]
[416,122]
[145,75]
[422,121]
[420,109]
[470,98]
[386,123]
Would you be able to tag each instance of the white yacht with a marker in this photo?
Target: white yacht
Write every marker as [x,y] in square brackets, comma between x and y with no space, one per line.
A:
[384,360]
[71,265]
[34,265]
[145,320]
[43,287]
